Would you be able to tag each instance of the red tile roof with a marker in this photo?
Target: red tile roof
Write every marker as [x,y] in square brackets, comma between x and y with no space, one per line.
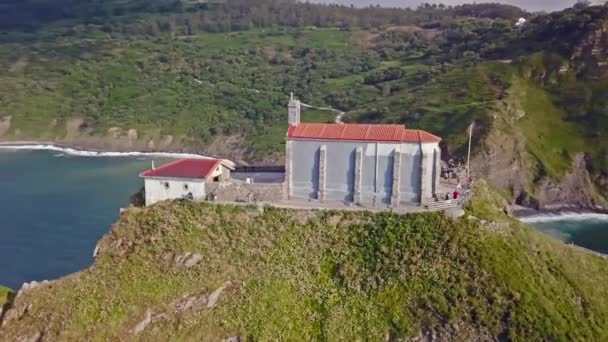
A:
[185,168]
[359,132]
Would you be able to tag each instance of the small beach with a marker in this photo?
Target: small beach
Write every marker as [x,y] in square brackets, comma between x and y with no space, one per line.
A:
[587,228]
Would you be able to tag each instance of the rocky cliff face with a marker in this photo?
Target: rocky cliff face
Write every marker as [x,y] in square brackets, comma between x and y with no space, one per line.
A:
[505,163]
[574,188]
[545,145]
[591,54]
[502,158]
[507,159]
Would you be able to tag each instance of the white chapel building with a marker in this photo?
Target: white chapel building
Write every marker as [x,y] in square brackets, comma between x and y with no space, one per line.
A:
[359,163]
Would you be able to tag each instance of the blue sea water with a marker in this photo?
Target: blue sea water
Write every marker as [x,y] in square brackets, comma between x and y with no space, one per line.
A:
[583,229]
[55,207]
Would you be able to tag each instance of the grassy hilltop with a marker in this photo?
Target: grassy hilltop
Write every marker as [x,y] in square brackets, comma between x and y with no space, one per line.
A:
[205,272]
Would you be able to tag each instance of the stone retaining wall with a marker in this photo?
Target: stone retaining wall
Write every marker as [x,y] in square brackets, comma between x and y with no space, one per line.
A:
[242,192]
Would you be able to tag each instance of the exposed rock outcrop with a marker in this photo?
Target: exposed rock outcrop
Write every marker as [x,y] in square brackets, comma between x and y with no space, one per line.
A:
[138,199]
[575,188]
[36,337]
[215,296]
[189,302]
[5,124]
[192,301]
[132,134]
[31,285]
[17,313]
[505,163]
[149,318]
[592,52]
[502,158]
[188,259]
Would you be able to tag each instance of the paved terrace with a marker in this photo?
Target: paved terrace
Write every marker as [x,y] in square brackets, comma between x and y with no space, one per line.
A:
[249,187]
[338,205]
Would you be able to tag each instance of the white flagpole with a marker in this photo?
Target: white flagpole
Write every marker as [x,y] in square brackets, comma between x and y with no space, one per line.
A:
[469,153]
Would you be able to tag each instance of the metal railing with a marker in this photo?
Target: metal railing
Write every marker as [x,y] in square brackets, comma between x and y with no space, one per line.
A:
[260,168]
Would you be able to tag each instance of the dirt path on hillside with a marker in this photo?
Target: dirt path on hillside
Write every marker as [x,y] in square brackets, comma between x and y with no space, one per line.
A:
[339,116]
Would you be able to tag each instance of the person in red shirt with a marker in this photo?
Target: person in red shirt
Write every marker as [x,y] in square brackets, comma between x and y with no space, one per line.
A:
[455,194]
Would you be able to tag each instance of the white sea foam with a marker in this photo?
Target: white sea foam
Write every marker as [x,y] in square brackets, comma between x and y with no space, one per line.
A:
[565,216]
[75,152]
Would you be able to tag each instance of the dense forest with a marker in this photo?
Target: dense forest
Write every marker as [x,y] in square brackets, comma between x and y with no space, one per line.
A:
[181,75]
[222,16]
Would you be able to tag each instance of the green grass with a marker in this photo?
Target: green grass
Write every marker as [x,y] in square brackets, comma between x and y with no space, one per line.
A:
[4,293]
[316,115]
[549,137]
[390,64]
[301,275]
[346,82]
[332,39]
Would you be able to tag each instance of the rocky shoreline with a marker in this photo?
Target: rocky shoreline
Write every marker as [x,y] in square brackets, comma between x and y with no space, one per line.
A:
[92,150]
[224,147]
[96,143]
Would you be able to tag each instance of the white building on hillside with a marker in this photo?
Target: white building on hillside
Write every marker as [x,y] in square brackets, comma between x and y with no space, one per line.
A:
[360,163]
[184,178]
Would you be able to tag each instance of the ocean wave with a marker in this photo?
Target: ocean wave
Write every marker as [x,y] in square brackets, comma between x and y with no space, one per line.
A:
[82,153]
[565,216]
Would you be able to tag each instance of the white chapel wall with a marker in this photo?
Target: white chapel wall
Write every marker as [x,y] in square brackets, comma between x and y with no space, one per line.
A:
[161,189]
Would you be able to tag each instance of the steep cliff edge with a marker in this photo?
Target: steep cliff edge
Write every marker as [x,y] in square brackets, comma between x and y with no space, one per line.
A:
[202,272]
[547,143]
[534,155]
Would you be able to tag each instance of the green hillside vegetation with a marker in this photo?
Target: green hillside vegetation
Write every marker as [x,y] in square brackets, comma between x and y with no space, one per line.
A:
[551,138]
[5,292]
[298,275]
[197,87]
[123,64]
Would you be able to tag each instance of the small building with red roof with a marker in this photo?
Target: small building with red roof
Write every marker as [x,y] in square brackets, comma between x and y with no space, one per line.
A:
[375,164]
[185,178]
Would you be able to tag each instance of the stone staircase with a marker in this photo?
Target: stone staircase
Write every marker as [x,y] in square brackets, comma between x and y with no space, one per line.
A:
[442,205]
